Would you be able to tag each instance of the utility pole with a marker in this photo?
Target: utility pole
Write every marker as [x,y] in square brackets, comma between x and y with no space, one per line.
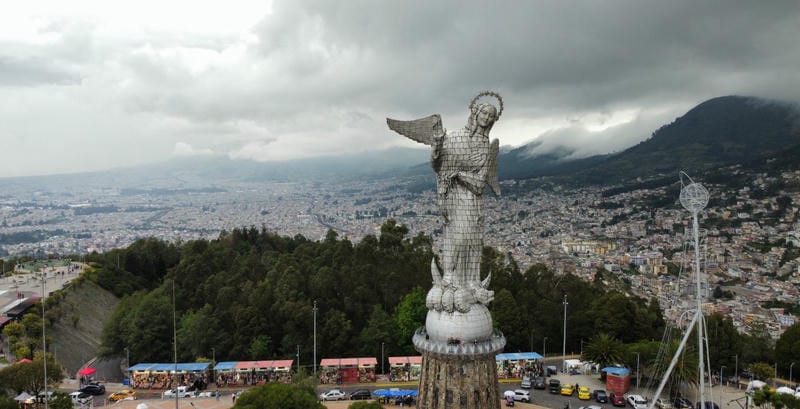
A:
[298,359]
[383,371]
[315,339]
[44,341]
[544,349]
[214,364]
[637,370]
[564,346]
[174,340]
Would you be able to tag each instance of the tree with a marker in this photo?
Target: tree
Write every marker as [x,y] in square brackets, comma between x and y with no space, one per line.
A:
[274,395]
[510,319]
[8,403]
[260,347]
[60,400]
[685,370]
[788,345]
[723,341]
[604,350]
[409,316]
[29,377]
[762,370]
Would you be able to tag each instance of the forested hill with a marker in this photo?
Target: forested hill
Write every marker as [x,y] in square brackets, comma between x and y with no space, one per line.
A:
[249,295]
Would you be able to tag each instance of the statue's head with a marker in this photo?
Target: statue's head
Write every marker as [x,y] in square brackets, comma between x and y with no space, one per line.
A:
[483,115]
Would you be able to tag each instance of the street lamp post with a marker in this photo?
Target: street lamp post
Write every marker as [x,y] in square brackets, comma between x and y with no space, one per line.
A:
[383,372]
[736,370]
[127,358]
[637,370]
[174,340]
[721,378]
[315,338]
[790,372]
[44,340]
[544,348]
[298,359]
[564,345]
[775,379]
[214,364]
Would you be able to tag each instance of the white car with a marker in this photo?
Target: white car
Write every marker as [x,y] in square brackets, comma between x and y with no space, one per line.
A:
[636,401]
[591,407]
[333,394]
[208,394]
[522,395]
[182,392]
[80,399]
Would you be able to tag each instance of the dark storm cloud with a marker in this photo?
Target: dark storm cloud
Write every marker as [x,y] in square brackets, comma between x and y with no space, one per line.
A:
[319,77]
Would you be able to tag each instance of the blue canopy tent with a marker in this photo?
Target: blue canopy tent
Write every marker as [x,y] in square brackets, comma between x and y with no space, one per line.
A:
[516,356]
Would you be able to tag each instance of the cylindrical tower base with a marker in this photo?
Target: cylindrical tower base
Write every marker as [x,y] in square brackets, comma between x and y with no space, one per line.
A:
[458,382]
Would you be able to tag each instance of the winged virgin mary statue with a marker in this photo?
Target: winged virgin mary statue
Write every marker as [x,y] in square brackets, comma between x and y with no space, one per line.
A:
[465,162]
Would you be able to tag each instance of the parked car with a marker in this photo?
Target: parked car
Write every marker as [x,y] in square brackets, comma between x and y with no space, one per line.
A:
[209,394]
[333,394]
[125,394]
[181,392]
[522,395]
[590,407]
[361,394]
[600,396]
[539,383]
[709,405]
[584,393]
[663,404]
[637,401]
[567,389]
[93,389]
[616,399]
[681,403]
[80,398]
[555,386]
[525,383]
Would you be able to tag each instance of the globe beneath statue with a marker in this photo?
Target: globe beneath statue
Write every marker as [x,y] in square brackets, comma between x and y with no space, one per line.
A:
[474,325]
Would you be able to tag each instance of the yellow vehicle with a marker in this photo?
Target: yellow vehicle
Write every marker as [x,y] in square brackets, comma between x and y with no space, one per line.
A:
[125,394]
[567,389]
[584,393]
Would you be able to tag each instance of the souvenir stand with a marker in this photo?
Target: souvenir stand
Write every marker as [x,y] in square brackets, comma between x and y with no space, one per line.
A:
[347,370]
[519,364]
[405,368]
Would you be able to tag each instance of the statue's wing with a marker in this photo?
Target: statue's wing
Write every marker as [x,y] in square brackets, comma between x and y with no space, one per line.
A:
[421,130]
[491,174]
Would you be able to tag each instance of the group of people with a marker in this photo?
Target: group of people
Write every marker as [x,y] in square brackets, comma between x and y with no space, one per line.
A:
[519,369]
[251,378]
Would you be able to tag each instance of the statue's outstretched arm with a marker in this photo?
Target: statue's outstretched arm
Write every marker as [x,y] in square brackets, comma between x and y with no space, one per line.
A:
[422,130]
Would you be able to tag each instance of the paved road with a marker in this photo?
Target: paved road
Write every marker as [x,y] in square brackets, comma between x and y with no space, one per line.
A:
[31,283]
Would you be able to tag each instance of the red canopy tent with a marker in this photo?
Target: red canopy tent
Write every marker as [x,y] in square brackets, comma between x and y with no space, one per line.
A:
[87,371]
[24,361]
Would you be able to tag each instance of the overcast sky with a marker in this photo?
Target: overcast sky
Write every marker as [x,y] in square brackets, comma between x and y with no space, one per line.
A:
[94,85]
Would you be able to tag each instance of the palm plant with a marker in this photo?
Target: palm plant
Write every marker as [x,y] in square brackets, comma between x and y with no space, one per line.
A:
[685,371]
[604,350]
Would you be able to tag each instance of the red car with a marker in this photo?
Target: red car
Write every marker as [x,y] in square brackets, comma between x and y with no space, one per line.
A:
[616,399]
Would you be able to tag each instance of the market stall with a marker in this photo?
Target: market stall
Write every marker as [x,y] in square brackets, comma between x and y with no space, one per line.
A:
[519,364]
[347,370]
[404,368]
